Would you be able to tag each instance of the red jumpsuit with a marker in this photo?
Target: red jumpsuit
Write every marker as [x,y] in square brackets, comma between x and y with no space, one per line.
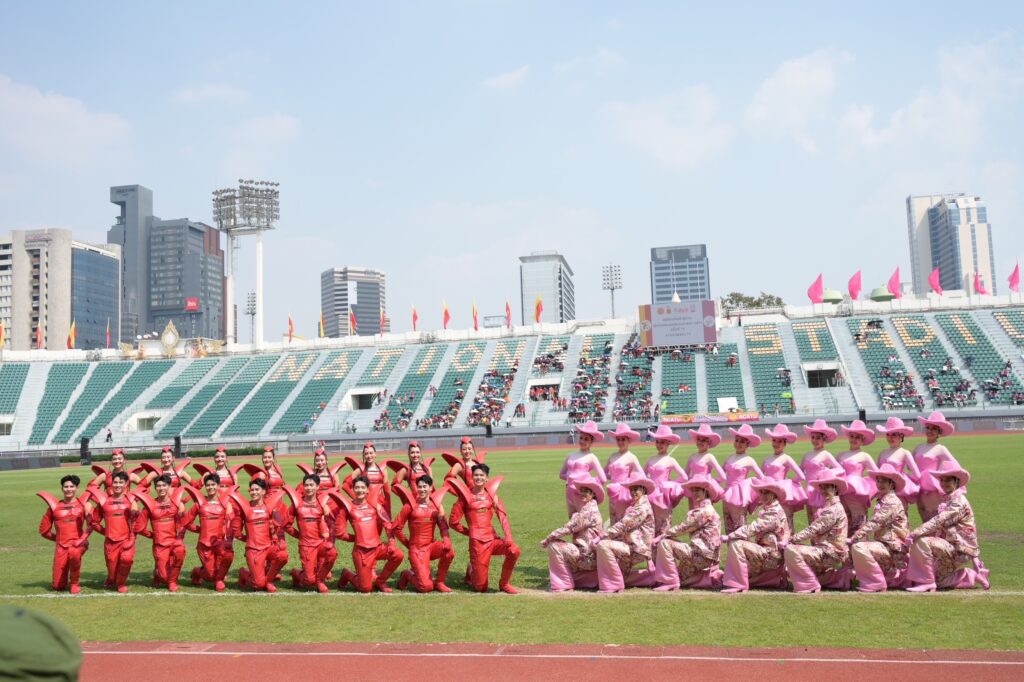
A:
[378,486]
[316,553]
[263,553]
[66,524]
[215,537]
[368,520]
[107,482]
[119,547]
[483,543]
[422,547]
[166,533]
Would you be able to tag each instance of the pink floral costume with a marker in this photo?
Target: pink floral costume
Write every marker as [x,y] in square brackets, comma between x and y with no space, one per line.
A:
[695,563]
[572,564]
[776,466]
[755,558]
[949,538]
[626,544]
[861,490]
[667,491]
[577,467]
[617,472]
[903,461]
[825,555]
[813,464]
[928,458]
[739,498]
[879,555]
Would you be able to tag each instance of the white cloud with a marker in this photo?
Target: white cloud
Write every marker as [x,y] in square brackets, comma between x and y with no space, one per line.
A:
[51,129]
[209,93]
[795,97]
[681,129]
[507,81]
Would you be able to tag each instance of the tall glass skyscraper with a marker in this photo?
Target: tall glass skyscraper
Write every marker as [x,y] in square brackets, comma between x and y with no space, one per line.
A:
[547,274]
[361,288]
[950,232]
[680,269]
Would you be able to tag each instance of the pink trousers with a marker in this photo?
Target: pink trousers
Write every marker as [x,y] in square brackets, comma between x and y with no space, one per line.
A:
[876,567]
[679,564]
[933,561]
[751,565]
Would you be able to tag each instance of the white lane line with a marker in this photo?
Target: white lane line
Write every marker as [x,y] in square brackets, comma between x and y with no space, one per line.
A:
[587,657]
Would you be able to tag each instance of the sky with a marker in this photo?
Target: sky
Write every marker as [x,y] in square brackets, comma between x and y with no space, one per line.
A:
[440,141]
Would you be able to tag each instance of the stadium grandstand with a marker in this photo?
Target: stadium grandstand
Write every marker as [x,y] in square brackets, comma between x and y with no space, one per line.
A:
[786,364]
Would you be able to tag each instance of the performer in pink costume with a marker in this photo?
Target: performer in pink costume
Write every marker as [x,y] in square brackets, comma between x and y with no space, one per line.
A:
[628,542]
[899,457]
[619,468]
[947,539]
[821,562]
[574,564]
[879,555]
[581,465]
[859,490]
[668,492]
[755,550]
[739,498]
[702,461]
[692,564]
[929,456]
[817,459]
[778,464]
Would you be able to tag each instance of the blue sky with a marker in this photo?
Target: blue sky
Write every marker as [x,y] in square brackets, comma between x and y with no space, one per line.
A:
[439,141]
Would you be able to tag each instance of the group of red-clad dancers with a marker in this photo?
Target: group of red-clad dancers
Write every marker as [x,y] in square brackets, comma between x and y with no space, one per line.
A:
[163,502]
[842,544]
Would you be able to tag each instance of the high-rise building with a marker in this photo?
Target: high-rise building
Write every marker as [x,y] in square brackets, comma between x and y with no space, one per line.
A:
[131,233]
[950,232]
[186,278]
[547,274]
[681,270]
[363,290]
[48,280]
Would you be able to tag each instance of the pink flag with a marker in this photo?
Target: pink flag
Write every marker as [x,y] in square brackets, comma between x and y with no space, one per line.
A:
[854,286]
[933,281]
[1015,280]
[816,290]
[894,284]
[979,286]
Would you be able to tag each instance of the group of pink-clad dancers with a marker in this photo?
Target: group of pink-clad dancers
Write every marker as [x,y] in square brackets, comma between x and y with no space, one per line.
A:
[842,545]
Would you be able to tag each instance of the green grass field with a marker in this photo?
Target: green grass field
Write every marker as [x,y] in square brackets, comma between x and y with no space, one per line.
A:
[534,496]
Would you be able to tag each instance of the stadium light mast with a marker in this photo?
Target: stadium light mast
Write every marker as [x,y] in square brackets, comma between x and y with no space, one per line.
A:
[250,209]
[611,279]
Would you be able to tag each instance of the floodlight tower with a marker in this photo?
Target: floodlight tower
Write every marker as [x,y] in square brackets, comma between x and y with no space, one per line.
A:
[250,209]
[611,279]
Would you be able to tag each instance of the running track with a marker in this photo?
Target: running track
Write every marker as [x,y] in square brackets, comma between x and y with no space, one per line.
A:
[175,661]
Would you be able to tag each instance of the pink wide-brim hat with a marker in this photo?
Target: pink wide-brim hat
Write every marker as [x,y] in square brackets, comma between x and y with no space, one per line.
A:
[746,432]
[774,485]
[781,431]
[636,478]
[938,419]
[859,427]
[709,484]
[704,431]
[590,428]
[664,432]
[948,468]
[622,430]
[887,470]
[591,484]
[895,425]
[821,426]
[828,477]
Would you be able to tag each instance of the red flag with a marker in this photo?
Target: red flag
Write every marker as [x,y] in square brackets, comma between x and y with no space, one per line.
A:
[476,321]
[894,284]
[538,308]
[108,332]
[815,291]
[446,316]
[854,286]
[291,329]
[72,335]
[415,318]
[1015,280]
[39,337]
[933,282]
[508,315]
[383,320]
[353,324]
[323,328]
[3,334]
[979,286]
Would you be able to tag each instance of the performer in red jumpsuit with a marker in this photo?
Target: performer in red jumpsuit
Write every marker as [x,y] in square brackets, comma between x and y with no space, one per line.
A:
[160,520]
[424,513]
[408,473]
[479,505]
[368,521]
[215,549]
[226,476]
[176,474]
[328,475]
[464,468]
[113,516]
[316,547]
[104,477]
[66,524]
[260,525]
[375,474]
